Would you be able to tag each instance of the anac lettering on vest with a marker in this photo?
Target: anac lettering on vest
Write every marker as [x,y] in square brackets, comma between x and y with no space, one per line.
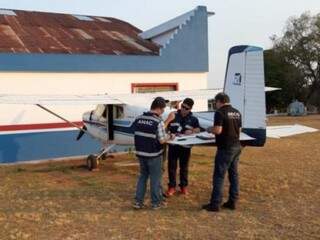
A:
[145,122]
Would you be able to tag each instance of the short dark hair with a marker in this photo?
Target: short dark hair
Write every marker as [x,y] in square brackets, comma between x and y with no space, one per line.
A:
[158,102]
[189,102]
[222,97]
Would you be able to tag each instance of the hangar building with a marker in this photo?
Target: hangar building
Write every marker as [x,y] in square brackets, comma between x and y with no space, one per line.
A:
[51,53]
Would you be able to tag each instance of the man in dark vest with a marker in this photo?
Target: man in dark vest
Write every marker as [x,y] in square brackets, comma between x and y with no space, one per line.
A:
[149,137]
[180,122]
[227,128]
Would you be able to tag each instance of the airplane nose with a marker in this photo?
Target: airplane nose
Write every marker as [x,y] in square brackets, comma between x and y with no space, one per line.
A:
[94,127]
[85,117]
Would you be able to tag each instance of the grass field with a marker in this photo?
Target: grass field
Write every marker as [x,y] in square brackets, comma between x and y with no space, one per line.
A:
[280,197]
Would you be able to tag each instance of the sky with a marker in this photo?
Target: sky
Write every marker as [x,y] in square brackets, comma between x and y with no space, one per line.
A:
[236,22]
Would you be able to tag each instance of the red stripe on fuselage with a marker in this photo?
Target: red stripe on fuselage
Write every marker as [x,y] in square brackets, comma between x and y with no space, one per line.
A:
[37,126]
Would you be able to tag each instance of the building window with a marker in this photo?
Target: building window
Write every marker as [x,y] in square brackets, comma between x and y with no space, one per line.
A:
[102,19]
[7,12]
[153,87]
[83,18]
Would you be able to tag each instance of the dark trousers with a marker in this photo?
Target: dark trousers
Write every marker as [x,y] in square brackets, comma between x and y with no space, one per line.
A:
[226,160]
[182,154]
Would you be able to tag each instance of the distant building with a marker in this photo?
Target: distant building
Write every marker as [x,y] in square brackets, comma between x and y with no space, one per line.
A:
[297,108]
[50,53]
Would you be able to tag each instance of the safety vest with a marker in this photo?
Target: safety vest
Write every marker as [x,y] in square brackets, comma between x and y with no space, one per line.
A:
[181,124]
[145,135]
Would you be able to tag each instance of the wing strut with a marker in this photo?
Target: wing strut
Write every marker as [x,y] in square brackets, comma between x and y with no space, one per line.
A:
[62,118]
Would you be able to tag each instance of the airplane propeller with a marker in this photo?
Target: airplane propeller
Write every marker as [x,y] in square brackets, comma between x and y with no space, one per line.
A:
[81,132]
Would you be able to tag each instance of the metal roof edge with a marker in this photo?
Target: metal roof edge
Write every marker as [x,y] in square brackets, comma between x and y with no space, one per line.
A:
[168,25]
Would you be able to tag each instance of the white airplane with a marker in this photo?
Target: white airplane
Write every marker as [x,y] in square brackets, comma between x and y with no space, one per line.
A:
[112,121]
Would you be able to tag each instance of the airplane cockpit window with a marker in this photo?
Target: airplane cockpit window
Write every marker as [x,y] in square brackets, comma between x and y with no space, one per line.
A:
[100,110]
[118,112]
[100,113]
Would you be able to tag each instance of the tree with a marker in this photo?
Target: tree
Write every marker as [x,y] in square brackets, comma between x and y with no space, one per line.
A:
[286,76]
[300,47]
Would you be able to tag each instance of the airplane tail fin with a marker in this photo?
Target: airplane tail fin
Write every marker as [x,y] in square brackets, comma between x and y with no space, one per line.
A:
[244,83]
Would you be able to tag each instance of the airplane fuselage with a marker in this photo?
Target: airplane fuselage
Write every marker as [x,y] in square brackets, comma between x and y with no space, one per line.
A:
[100,125]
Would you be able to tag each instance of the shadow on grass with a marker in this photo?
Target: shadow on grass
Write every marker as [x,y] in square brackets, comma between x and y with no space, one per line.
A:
[60,168]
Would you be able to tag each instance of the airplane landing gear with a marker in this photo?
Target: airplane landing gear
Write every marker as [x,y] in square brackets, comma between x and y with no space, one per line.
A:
[93,161]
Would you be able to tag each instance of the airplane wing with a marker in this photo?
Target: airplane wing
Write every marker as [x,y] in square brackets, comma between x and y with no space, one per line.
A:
[104,98]
[59,99]
[202,138]
[272,132]
[288,130]
[84,99]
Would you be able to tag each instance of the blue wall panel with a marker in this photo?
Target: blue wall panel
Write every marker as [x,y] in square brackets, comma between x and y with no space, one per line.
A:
[46,145]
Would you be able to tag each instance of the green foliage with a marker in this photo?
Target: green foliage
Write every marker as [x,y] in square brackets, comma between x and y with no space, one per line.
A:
[297,56]
[286,76]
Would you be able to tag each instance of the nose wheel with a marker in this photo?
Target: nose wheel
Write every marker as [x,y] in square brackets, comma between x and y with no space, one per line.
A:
[93,161]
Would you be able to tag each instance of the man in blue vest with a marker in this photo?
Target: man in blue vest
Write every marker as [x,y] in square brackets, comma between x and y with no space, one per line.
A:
[180,122]
[149,137]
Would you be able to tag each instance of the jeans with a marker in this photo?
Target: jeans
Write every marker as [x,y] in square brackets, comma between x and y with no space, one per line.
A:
[150,167]
[226,160]
[182,154]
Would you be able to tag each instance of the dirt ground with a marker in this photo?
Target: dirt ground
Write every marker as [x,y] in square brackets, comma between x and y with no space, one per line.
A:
[280,197]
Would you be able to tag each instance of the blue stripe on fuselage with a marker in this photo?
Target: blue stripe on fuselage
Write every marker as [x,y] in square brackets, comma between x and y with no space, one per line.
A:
[44,145]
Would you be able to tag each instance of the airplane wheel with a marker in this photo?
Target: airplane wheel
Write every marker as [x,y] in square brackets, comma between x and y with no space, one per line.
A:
[92,163]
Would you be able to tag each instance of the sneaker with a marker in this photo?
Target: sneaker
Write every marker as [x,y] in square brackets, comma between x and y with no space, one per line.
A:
[184,191]
[229,205]
[171,191]
[138,205]
[211,208]
[159,206]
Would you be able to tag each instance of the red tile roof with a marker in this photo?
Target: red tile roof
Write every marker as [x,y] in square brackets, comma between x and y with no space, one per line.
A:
[39,32]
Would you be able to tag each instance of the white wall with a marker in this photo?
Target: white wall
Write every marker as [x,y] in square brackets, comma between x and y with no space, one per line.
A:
[81,83]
